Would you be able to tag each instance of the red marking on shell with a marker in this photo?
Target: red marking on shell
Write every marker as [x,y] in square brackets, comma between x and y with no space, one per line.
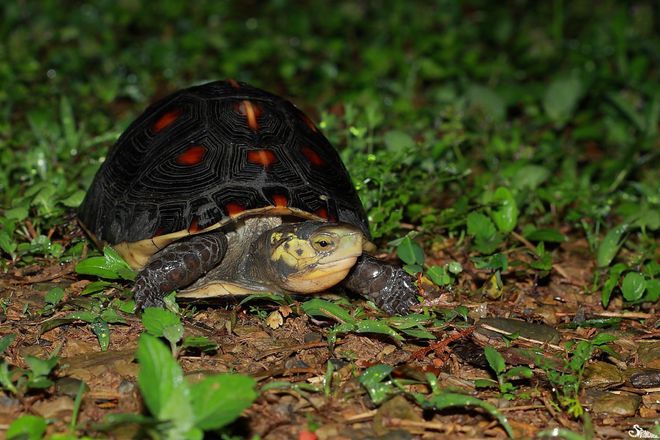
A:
[312,156]
[194,226]
[252,112]
[232,82]
[322,212]
[280,200]
[262,157]
[233,209]
[160,231]
[192,156]
[166,120]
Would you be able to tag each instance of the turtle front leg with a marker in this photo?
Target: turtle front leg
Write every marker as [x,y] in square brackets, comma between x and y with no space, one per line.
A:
[178,265]
[389,286]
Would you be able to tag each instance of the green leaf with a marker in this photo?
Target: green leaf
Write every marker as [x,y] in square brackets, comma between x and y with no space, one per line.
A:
[486,102]
[633,286]
[156,319]
[449,400]
[485,383]
[95,287]
[562,97]
[419,333]
[398,141]
[372,380]
[41,367]
[494,262]
[320,307]
[161,380]
[652,292]
[6,341]
[495,360]
[520,371]
[375,326]
[110,266]
[27,427]
[610,245]
[54,295]
[611,282]
[506,216]
[200,342]
[545,234]
[102,332]
[603,338]
[439,275]
[480,226]
[410,252]
[219,400]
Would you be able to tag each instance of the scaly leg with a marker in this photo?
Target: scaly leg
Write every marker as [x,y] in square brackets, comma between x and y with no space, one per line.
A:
[178,265]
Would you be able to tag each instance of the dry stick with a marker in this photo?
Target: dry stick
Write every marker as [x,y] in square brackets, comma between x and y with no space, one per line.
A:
[624,315]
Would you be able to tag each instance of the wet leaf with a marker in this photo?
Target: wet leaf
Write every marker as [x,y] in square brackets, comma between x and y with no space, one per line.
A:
[562,97]
[372,380]
[156,320]
[633,286]
[6,341]
[374,326]
[109,266]
[161,381]
[102,332]
[450,400]
[320,307]
[610,245]
[545,234]
[495,360]
[219,400]
[410,252]
[611,282]
[506,215]
[439,275]
[27,427]
[54,296]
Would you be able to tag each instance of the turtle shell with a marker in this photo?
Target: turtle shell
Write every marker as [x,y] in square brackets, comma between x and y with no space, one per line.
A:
[207,155]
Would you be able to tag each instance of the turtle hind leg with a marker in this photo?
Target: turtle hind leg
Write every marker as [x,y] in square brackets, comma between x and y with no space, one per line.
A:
[389,286]
[178,265]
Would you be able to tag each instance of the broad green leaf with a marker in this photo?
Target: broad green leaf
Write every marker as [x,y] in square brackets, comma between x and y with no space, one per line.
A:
[375,326]
[410,252]
[494,262]
[485,383]
[372,380]
[603,338]
[95,287]
[320,307]
[520,371]
[652,292]
[545,234]
[450,400]
[419,333]
[611,282]
[161,381]
[454,267]
[479,225]
[102,332]
[156,319]
[562,97]
[495,360]
[54,295]
[201,342]
[506,215]
[610,245]
[6,242]
[41,367]
[398,141]
[110,266]
[278,299]
[529,177]
[439,275]
[219,400]
[633,286]
[6,341]
[27,427]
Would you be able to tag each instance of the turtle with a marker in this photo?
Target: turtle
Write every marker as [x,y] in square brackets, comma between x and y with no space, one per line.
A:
[226,189]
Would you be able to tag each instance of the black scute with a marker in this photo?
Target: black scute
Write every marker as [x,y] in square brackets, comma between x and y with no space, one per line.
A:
[141,190]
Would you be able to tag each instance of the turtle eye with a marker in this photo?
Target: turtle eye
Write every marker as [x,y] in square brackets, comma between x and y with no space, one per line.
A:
[323,243]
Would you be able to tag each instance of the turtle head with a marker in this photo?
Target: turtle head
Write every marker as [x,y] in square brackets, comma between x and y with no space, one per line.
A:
[312,256]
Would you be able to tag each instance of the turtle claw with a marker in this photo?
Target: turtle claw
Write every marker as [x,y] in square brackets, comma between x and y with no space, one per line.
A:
[389,286]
